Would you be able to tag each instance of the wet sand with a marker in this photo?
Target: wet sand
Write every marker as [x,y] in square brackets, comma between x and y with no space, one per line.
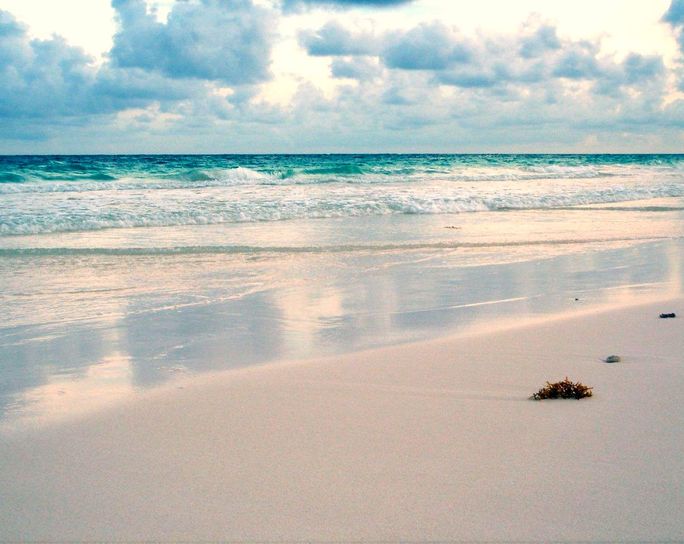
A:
[434,440]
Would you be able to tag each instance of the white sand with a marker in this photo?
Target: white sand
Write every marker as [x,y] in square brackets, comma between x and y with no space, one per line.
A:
[430,441]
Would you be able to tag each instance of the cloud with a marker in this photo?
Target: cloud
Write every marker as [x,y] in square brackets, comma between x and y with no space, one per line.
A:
[221,40]
[192,84]
[134,88]
[48,83]
[639,68]
[543,39]
[675,17]
[473,77]
[10,27]
[294,5]
[41,77]
[360,69]
[427,47]
[333,39]
[535,56]
[675,14]
[577,61]
[534,83]
[394,96]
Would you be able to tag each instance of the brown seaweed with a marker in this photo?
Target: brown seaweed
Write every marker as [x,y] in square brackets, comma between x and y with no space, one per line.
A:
[563,390]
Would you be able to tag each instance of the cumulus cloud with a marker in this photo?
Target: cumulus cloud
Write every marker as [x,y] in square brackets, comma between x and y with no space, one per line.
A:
[534,81]
[543,39]
[289,5]
[41,77]
[360,69]
[637,68]
[198,75]
[675,14]
[50,78]
[51,83]
[675,17]
[535,56]
[333,39]
[474,77]
[426,47]
[119,88]
[223,40]
[152,64]
[578,61]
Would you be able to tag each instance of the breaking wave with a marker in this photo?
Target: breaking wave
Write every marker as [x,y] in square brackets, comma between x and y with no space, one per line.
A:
[134,209]
[198,178]
[66,194]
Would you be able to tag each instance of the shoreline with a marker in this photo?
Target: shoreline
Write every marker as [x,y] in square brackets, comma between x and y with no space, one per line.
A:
[499,324]
[434,440]
[148,323]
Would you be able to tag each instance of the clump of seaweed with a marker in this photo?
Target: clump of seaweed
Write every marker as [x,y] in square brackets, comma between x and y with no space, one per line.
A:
[563,390]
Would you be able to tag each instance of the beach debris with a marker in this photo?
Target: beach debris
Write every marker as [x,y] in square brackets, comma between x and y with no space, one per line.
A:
[563,390]
[613,359]
[668,316]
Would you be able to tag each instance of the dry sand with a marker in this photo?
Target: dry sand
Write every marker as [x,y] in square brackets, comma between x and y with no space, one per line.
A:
[428,441]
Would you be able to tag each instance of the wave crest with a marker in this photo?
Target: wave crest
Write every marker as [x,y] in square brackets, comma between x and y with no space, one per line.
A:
[21,216]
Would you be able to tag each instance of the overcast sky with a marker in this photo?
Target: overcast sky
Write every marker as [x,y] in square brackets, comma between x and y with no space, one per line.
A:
[298,76]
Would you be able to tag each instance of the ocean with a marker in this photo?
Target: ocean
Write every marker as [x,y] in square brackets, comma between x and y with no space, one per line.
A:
[86,193]
[121,273]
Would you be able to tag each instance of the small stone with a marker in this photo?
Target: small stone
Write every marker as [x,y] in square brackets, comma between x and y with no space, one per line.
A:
[613,359]
[668,316]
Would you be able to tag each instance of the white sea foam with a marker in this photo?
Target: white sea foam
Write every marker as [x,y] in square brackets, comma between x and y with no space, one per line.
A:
[84,194]
[118,209]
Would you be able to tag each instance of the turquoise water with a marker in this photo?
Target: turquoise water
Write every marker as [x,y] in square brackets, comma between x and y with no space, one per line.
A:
[85,193]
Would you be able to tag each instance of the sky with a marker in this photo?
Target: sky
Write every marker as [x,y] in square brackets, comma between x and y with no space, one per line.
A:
[349,76]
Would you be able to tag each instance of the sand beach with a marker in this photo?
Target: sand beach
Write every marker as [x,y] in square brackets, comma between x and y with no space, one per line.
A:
[431,441]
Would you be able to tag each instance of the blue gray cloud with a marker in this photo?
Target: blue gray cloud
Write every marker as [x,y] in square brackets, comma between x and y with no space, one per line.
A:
[359,69]
[543,39]
[293,5]
[375,3]
[223,40]
[426,47]
[333,40]
[120,88]
[51,79]
[537,56]
[675,17]
[448,89]
[638,68]
[675,14]
[578,61]
[53,83]
[41,77]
